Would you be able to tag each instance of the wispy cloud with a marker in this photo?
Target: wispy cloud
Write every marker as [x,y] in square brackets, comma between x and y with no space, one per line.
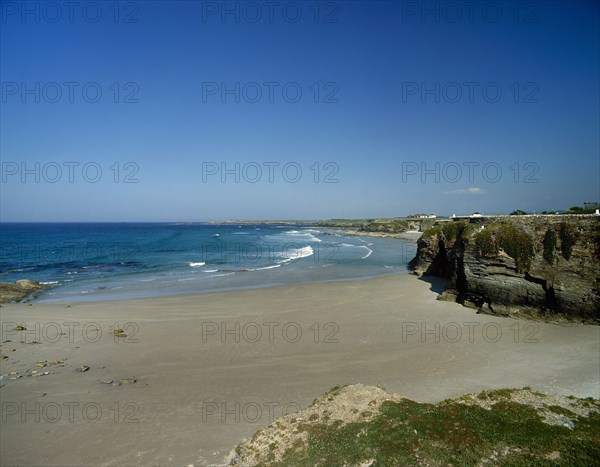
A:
[467,191]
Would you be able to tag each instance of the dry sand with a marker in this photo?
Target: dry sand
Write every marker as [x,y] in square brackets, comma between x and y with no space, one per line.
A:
[369,332]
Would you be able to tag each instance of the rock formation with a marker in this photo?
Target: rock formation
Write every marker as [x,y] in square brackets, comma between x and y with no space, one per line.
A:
[536,266]
[20,290]
[361,425]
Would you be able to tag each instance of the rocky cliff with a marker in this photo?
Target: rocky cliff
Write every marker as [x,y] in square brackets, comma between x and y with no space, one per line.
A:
[537,266]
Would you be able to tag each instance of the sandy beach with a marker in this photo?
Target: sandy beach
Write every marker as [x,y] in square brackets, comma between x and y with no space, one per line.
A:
[408,235]
[197,374]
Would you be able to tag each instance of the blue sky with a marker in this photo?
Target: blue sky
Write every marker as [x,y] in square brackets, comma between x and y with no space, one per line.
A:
[392,122]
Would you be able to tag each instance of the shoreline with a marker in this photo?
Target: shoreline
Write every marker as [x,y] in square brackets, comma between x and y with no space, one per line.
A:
[43,293]
[192,368]
[407,235]
[39,298]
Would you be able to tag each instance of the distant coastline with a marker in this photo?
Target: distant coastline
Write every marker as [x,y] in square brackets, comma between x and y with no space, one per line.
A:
[412,235]
[406,228]
[110,261]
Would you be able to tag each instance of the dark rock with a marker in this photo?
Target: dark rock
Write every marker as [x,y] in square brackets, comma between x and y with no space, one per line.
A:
[550,286]
[20,290]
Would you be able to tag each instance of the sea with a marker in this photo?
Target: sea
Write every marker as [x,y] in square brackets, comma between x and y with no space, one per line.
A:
[110,261]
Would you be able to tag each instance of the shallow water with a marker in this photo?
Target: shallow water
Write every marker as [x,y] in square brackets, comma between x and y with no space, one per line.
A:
[98,261]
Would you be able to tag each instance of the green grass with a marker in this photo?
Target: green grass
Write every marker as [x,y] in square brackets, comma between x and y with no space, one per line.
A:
[451,231]
[412,433]
[561,410]
[496,394]
[515,242]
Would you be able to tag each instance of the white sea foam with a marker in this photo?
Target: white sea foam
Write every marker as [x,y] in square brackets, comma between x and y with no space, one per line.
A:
[368,254]
[305,235]
[267,267]
[49,282]
[211,270]
[196,265]
[221,275]
[296,253]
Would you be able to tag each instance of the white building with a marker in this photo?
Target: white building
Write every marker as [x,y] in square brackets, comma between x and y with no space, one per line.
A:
[476,214]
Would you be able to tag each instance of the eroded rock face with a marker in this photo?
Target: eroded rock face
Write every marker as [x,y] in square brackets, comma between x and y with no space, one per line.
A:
[20,290]
[559,281]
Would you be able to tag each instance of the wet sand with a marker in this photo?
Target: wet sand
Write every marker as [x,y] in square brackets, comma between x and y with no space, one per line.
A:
[211,369]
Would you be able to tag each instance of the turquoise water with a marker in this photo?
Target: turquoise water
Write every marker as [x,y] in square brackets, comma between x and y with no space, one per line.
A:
[104,261]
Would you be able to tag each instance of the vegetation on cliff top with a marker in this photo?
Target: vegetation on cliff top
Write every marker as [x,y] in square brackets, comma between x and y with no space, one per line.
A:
[587,208]
[504,236]
[549,245]
[568,237]
[516,243]
[450,231]
[502,427]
